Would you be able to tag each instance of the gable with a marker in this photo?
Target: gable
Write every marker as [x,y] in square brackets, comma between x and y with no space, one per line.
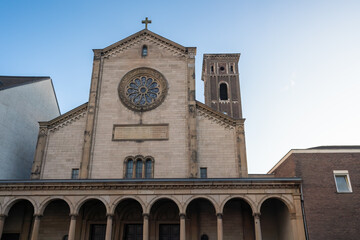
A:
[140,37]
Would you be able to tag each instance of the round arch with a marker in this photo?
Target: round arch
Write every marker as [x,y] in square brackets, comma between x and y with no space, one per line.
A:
[151,204]
[48,200]
[241,197]
[117,201]
[287,203]
[85,199]
[14,200]
[211,200]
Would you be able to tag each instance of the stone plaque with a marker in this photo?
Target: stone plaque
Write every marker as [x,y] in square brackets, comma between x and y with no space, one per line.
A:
[143,132]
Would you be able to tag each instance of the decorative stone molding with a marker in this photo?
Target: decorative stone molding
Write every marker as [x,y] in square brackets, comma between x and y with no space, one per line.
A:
[65,119]
[217,117]
[145,35]
[150,185]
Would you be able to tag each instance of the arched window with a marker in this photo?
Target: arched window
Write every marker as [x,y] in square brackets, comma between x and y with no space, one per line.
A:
[144,52]
[139,166]
[223,92]
[148,168]
[129,168]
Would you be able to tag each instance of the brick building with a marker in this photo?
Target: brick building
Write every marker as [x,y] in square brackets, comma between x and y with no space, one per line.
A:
[330,186]
[144,160]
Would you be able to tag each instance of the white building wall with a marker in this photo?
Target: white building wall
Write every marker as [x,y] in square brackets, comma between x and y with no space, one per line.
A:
[21,108]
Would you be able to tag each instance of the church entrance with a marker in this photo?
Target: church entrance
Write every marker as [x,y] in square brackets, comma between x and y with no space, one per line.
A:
[169,232]
[133,232]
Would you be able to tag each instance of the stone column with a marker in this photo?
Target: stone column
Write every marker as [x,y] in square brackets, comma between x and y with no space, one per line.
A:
[71,234]
[257,226]
[2,221]
[293,222]
[109,224]
[182,226]
[146,226]
[219,226]
[36,227]
[299,226]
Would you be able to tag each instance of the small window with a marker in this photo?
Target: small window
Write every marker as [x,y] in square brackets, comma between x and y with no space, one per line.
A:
[75,173]
[139,166]
[223,91]
[232,69]
[222,69]
[148,169]
[144,52]
[129,168]
[342,181]
[203,172]
[212,69]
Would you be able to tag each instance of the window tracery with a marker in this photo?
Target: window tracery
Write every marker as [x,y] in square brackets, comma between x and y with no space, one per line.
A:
[142,89]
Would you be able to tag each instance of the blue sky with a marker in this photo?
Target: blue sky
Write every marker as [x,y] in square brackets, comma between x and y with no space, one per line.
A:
[299,64]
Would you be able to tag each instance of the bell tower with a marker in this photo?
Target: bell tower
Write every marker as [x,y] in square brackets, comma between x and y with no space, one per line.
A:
[220,74]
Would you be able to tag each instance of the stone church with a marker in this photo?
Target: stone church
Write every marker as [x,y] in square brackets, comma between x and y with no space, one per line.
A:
[142,159]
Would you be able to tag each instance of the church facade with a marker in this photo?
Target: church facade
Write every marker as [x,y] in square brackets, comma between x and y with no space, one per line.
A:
[142,159]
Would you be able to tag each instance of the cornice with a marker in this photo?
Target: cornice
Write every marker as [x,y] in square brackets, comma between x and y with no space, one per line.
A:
[145,34]
[65,118]
[220,118]
[218,56]
[75,186]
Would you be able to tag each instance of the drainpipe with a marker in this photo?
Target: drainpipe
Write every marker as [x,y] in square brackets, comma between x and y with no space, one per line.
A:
[303,213]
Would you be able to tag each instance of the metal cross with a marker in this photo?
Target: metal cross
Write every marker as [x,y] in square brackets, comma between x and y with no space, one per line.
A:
[146,21]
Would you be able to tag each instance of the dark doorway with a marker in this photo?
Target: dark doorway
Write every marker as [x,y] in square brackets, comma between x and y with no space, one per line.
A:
[98,232]
[133,232]
[10,236]
[169,232]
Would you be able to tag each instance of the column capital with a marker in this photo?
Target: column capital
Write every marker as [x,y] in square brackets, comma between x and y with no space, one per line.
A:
[38,215]
[73,216]
[182,215]
[109,215]
[146,215]
[256,215]
[219,215]
[2,216]
[293,215]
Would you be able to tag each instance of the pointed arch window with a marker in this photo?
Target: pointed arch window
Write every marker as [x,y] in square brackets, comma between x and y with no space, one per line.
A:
[223,91]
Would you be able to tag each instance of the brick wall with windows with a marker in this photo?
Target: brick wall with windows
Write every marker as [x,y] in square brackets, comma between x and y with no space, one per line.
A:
[330,213]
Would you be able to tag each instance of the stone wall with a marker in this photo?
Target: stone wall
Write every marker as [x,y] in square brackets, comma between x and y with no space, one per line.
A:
[64,149]
[216,148]
[170,155]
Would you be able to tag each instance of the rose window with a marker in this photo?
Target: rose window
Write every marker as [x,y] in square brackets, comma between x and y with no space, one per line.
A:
[143,91]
